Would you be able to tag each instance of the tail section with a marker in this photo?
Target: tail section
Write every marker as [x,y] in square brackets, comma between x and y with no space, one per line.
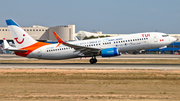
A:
[6,45]
[75,38]
[20,37]
[25,44]
[9,48]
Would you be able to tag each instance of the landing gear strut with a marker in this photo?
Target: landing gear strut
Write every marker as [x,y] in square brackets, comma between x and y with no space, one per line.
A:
[93,60]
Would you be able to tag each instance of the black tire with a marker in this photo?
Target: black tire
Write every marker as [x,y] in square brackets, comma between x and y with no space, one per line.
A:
[95,60]
[91,61]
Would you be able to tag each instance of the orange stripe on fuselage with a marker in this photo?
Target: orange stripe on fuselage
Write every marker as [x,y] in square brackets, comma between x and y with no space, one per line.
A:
[31,48]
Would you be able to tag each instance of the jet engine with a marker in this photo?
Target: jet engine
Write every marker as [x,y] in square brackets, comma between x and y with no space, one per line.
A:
[110,52]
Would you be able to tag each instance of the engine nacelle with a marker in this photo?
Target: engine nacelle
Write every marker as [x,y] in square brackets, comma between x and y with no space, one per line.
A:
[110,52]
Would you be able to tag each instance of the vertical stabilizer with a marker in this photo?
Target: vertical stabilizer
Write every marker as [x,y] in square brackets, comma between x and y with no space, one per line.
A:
[75,38]
[20,37]
[6,45]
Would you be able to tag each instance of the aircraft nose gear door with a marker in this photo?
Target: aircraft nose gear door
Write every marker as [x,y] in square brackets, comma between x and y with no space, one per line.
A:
[155,38]
[39,53]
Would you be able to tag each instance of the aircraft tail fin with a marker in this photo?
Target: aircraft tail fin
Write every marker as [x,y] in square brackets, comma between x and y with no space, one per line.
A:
[9,48]
[75,38]
[20,37]
[6,45]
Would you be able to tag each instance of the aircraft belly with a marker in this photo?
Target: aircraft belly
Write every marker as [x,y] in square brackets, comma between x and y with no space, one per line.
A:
[58,56]
[132,47]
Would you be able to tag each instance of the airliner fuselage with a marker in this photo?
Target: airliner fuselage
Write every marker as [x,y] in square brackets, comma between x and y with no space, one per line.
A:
[131,42]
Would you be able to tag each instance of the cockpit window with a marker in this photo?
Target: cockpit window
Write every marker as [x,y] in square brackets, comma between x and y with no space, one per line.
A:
[165,35]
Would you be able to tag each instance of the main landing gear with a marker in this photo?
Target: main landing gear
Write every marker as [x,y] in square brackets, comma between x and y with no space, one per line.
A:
[93,60]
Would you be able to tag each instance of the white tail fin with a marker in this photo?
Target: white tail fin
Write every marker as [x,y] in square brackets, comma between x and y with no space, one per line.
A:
[75,38]
[6,45]
[9,48]
[20,37]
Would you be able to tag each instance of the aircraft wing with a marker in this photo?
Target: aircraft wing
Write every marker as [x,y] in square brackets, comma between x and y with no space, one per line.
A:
[81,49]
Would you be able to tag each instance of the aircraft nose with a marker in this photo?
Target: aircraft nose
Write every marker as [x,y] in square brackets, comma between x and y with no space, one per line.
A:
[174,39]
[177,39]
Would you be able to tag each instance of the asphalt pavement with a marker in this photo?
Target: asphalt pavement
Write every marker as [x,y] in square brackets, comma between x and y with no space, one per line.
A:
[91,66]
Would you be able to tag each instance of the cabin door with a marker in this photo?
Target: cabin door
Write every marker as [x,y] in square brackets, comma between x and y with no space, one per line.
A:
[39,53]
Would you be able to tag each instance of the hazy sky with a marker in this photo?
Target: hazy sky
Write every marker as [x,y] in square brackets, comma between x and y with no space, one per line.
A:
[108,16]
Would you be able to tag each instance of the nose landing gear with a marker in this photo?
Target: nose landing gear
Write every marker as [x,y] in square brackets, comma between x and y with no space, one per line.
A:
[93,60]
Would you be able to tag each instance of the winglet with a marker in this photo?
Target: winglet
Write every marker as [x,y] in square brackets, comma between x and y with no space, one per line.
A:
[60,41]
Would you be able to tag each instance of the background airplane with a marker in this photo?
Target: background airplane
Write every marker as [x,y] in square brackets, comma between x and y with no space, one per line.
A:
[26,46]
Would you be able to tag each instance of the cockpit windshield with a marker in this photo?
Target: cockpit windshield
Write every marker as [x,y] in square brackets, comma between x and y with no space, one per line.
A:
[165,35]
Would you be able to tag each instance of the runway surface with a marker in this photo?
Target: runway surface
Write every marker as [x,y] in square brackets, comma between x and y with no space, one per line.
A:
[91,66]
[86,66]
[123,56]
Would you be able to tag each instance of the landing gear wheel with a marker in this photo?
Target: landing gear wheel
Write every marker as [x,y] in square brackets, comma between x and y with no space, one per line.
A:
[93,60]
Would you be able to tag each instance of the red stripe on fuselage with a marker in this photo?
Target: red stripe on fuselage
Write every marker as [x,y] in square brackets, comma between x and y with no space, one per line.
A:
[31,48]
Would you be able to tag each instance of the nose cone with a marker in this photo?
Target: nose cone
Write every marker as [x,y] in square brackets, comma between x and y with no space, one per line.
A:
[177,39]
[173,39]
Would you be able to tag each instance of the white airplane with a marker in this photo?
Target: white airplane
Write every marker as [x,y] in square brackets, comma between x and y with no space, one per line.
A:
[26,46]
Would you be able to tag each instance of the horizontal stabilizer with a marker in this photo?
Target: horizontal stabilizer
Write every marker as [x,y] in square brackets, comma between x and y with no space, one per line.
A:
[16,50]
